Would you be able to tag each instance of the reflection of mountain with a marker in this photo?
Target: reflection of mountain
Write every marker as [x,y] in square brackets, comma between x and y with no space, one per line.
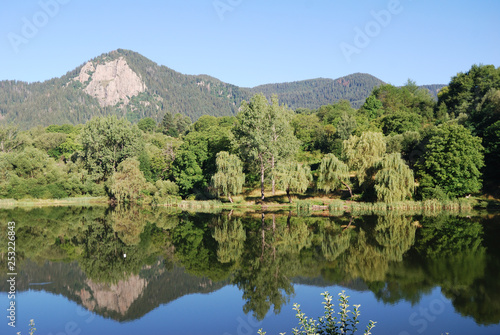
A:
[125,300]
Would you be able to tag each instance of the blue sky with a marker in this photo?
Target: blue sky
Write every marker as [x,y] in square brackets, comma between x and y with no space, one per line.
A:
[253,42]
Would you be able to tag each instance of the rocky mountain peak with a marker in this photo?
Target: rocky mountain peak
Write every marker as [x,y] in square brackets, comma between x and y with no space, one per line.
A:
[110,82]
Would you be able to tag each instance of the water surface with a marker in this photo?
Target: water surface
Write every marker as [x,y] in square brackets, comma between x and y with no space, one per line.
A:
[136,271]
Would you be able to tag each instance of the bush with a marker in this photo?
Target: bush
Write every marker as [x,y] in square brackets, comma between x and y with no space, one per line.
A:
[345,323]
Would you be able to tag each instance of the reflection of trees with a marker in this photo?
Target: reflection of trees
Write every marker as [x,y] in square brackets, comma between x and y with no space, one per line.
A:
[456,260]
[450,255]
[265,267]
[128,222]
[230,236]
[103,254]
[196,249]
[395,234]
[335,240]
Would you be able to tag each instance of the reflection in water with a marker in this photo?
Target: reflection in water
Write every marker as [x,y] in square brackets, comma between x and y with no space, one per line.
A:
[168,254]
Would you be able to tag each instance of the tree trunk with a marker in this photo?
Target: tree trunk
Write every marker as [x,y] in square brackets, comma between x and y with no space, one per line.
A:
[288,195]
[272,176]
[350,191]
[229,197]
[261,175]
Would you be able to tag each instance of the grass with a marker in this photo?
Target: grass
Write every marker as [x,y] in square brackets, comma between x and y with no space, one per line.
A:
[79,201]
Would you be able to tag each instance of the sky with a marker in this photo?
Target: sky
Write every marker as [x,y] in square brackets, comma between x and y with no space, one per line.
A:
[253,42]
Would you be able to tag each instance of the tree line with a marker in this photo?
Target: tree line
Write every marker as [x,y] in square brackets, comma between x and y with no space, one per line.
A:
[400,144]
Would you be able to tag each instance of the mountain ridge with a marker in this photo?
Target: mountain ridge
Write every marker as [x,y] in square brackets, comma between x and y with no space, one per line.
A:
[127,84]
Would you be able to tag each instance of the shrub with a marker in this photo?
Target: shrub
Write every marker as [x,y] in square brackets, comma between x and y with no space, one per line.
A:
[345,323]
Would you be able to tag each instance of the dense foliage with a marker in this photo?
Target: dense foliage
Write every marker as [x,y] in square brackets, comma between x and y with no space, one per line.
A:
[398,139]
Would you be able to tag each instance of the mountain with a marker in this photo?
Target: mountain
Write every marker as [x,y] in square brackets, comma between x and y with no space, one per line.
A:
[318,92]
[128,84]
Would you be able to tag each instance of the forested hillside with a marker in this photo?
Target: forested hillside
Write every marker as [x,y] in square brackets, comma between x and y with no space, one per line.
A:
[317,92]
[126,84]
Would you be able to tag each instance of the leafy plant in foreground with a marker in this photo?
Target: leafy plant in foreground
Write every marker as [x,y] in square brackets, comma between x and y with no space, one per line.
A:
[345,323]
[32,328]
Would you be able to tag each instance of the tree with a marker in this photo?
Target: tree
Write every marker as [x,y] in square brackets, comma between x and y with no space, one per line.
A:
[10,139]
[394,180]
[332,173]
[452,160]
[168,125]
[346,126]
[187,173]
[229,177]
[128,181]
[181,123]
[293,177]
[466,90]
[147,125]
[363,152]
[107,141]
[264,134]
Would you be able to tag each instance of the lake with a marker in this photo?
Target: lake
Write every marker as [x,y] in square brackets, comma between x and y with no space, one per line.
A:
[161,271]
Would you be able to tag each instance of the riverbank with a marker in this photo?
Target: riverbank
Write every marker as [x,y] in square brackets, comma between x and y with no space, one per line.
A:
[274,203]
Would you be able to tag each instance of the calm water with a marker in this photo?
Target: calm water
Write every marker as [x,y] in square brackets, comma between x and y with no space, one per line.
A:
[104,271]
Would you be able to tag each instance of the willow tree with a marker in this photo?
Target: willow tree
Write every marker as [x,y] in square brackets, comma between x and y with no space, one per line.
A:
[128,181]
[293,177]
[265,134]
[229,177]
[332,173]
[394,180]
[363,152]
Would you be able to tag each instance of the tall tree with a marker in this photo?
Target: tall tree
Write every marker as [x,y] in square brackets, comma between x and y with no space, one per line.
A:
[168,125]
[265,134]
[107,141]
[332,173]
[293,177]
[363,152]
[229,177]
[128,181]
[394,180]
[452,160]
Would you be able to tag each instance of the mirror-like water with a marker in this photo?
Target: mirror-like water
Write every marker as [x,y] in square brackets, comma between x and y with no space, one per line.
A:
[137,271]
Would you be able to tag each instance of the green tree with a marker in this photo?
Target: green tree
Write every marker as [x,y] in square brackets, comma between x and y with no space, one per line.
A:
[107,141]
[10,138]
[346,126]
[147,125]
[293,177]
[187,173]
[128,181]
[452,160]
[363,152]
[181,123]
[394,180]
[229,178]
[466,90]
[167,125]
[264,134]
[332,173]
